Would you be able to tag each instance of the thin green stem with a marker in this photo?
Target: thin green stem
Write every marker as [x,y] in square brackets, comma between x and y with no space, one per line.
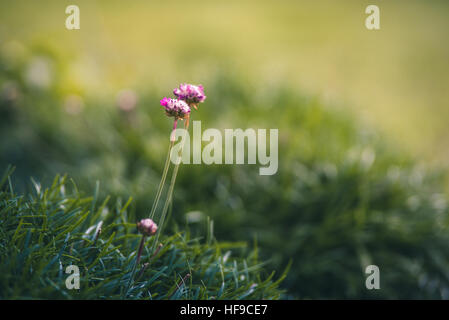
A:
[170,190]
[136,263]
[162,182]
[166,204]
[153,208]
[139,253]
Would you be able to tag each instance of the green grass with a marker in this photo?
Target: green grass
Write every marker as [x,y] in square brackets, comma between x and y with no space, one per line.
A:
[44,232]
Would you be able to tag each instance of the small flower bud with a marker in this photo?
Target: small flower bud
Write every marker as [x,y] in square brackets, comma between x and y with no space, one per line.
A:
[147,227]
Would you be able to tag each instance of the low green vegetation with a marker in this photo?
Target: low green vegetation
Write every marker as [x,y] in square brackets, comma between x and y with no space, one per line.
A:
[45,232]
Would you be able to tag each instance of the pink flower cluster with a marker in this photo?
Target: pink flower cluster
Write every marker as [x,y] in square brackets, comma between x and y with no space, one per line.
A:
[147,227]
[190,93]
[175,108]
[187,95]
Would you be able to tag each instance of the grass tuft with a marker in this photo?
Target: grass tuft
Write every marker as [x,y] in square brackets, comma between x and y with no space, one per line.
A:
[45,232]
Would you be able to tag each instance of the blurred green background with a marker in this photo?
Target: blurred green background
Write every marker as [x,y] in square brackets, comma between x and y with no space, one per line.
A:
[396,76]
[362,118]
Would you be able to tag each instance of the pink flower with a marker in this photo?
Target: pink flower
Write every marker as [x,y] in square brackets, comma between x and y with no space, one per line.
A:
[147,227]
[190,93]
[175,108]
[164,102]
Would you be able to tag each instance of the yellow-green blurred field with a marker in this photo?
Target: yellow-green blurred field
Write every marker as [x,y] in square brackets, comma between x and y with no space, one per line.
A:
[397,77]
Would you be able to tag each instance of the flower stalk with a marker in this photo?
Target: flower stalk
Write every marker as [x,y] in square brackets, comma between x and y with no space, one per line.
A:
[147,228]
[162,182]
[139,253]
[188,96]
[170,189]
